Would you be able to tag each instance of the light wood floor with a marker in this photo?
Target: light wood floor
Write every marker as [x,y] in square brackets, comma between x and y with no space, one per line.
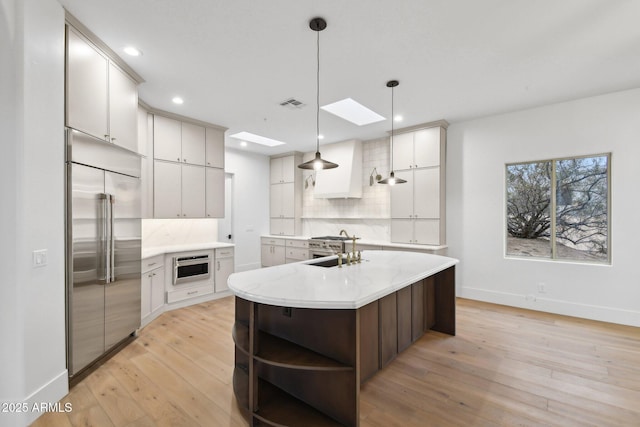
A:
[505,367]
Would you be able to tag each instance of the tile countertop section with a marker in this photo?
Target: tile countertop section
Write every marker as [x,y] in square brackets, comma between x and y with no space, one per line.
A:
[307,286]
[148,252]
[368,242]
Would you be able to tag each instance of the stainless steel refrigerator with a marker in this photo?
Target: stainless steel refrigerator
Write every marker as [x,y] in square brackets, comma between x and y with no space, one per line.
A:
[103,248]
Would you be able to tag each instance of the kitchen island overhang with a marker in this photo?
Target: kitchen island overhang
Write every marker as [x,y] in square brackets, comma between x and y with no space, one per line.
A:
[306,336]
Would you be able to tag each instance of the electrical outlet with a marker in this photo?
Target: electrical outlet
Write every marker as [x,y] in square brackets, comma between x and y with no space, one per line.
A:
[542,288]
[40,258]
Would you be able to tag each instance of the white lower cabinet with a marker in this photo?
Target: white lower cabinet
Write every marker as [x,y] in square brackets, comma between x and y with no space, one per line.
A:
[296,250]
[223,268]
[152,288]
[273,251]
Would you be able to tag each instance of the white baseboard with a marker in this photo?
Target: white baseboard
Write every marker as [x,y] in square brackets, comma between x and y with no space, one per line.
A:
[536,302]
[44,399]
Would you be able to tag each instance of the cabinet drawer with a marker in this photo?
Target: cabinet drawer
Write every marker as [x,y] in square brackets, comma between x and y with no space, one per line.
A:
[297,254]
[272,241]
[152,263]
[186,293]
[224,253]
[290,243]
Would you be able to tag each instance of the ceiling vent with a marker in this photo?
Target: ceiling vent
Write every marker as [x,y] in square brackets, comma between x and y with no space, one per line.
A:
[292,103]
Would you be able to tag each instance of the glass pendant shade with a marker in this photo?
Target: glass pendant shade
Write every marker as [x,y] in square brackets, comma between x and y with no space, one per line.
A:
[392,180]
[318,163]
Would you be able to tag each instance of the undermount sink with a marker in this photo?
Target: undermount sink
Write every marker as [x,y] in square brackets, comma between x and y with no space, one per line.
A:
[326,263]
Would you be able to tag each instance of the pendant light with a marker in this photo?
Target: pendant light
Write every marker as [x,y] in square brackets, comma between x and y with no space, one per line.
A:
[392,180]
[318,163]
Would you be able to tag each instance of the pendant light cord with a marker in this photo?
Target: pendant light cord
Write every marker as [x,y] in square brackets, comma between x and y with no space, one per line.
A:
[391,150]
[318,92]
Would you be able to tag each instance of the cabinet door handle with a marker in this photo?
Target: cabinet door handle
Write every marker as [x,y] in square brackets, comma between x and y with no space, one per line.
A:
[113,140]
[184,160]
[106,137]
[218,265]
[178,158]
[149,265]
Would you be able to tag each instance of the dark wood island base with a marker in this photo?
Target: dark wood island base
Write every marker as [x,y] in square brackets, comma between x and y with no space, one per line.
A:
[304,366]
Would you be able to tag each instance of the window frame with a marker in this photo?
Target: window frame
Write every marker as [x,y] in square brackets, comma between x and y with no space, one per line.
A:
[553,257]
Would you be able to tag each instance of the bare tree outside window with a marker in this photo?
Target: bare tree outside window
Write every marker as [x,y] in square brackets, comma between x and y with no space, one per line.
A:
[559,209]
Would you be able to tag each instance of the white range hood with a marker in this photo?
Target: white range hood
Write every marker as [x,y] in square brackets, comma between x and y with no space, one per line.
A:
[345,181]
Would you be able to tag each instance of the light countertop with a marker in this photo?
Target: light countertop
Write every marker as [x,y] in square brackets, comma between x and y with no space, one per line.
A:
[149,251]
[306,286]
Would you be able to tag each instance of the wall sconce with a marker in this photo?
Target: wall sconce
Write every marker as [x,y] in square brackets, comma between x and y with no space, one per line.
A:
[377,177]
[313,181]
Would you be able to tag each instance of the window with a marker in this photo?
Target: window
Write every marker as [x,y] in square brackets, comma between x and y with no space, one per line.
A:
[559,209]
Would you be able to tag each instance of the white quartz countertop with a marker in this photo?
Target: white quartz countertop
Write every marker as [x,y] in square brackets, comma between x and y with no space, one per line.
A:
[307,286]
[149,251]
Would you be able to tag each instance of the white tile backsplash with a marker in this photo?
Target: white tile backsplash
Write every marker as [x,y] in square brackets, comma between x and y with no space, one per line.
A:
[163,232]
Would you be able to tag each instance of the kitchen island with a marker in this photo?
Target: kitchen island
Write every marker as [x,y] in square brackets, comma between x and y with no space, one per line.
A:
[306,337]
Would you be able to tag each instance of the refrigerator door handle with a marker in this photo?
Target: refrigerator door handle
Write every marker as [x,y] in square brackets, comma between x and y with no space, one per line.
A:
[105,254]
[112,244]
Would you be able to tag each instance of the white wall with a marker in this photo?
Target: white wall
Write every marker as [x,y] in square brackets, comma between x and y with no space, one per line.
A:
[32,314]
[477,153]
[250,205]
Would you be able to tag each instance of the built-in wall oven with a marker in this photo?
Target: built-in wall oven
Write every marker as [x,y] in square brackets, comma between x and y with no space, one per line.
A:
[326,245]
[191,268]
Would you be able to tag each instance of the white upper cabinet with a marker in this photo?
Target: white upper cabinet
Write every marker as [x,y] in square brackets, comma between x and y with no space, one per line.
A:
[419,149]
[402,151]
[193,189]
[87,97]
[167,190]
[178,190]
[193,143]
[177,141]
[283,169]
[101,99]
[426,193]
[426,148]
[214,151]
[123,109]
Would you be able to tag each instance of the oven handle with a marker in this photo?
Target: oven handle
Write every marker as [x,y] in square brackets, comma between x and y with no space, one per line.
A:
[178,262]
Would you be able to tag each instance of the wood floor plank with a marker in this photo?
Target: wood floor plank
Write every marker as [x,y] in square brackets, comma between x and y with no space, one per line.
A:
[506,366]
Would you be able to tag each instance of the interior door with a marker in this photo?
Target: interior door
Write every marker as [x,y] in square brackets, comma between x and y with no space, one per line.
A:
[87,272]
[123,293]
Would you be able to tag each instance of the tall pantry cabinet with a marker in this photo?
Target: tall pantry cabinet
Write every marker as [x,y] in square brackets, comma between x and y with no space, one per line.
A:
[418,206]
[285,201]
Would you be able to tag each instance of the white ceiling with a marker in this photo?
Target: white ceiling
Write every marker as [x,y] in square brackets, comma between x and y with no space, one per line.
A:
[233,62]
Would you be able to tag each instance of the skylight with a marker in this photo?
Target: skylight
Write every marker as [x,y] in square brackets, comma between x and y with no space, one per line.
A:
[352,111]
[247,136]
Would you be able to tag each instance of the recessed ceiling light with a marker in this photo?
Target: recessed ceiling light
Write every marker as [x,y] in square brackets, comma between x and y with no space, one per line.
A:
[320,136]
[247,136]
[398,118]
[243,143]
[132,51]
[353,111]
[177,100]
